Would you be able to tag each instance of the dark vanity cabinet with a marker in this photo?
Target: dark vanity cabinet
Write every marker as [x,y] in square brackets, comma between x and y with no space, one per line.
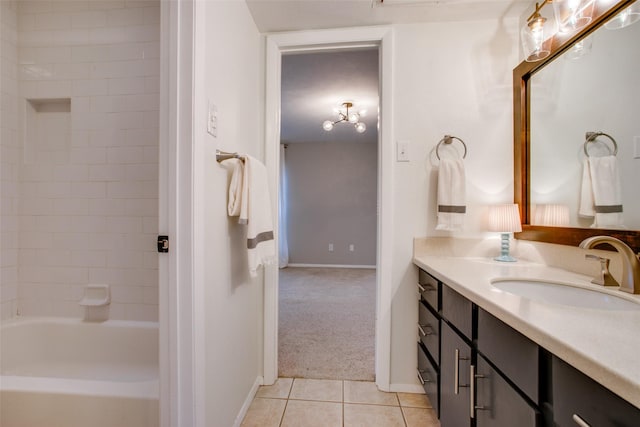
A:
[429,337]
[465,358]
[480,372]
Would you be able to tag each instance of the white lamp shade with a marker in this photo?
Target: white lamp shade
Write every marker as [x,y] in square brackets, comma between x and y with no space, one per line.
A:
[504,218]
[551,215]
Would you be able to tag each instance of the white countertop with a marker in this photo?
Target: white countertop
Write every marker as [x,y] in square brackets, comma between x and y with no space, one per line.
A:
[604,344]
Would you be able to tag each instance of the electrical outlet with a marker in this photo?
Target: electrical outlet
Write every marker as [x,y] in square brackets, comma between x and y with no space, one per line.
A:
[402,151]
[330,247]
[212,120]
[352,247]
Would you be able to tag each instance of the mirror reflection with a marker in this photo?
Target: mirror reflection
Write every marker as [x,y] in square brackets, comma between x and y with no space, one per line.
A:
[585,131]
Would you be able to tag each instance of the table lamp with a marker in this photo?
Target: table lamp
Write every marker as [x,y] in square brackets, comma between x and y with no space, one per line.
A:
[505,219]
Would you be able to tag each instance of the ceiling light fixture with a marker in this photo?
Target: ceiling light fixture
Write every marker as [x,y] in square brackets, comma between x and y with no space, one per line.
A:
[344,115]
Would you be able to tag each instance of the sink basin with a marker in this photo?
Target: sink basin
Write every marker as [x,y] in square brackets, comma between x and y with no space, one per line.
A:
[564,294]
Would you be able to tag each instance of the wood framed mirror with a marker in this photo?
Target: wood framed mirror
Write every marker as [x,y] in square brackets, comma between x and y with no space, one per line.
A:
[522,94]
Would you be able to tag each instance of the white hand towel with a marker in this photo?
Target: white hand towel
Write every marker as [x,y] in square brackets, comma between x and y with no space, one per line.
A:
[235,187]
[451,194]
[255,211]
[586,208]
[607,197]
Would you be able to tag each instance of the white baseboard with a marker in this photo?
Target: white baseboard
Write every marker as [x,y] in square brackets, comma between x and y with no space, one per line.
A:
[406,388]
[247,402]
[331,266]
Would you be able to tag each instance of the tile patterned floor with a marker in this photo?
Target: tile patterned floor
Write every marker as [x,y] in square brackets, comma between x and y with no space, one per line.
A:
[334,403]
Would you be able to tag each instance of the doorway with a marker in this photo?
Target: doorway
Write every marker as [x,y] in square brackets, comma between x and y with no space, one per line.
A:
[328,218]
[379,38]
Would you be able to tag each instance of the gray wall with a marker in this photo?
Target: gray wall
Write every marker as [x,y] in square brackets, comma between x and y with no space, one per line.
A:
[332,198]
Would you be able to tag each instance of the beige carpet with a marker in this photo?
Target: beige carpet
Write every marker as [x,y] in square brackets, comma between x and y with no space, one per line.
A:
[327,323]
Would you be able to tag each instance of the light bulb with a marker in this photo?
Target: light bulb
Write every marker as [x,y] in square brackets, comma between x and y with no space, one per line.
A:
[360,127]
[327,125]
[353,118]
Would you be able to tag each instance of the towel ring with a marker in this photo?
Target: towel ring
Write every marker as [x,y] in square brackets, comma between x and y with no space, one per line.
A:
[448,139]
[593,136]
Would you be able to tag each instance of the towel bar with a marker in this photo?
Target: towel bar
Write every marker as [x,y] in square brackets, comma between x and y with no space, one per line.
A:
[448,139]
[593,136]
[223,155]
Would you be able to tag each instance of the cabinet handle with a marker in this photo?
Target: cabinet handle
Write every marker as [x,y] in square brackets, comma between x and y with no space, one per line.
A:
[579,421]
[426,288]
[456,371]
[422,331]
[472,378]
[422,380]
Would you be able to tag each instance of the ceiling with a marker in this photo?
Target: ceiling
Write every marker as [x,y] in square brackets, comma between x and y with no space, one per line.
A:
[294,15]
[314,84]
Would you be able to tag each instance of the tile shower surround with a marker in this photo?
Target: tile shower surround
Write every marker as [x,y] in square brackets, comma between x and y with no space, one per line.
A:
[88,207]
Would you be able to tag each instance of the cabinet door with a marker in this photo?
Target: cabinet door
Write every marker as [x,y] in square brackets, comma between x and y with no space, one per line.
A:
[455,362]
[498,404]
[579,399]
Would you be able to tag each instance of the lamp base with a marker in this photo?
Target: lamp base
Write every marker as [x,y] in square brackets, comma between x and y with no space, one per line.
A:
[505,258]
[504,249]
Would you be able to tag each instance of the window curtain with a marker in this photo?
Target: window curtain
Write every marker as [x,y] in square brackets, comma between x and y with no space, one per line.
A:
[283,246]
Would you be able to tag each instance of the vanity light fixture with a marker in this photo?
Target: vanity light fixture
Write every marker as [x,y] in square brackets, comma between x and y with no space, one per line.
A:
[534,34]
[346,116]
[572,15]
[626,17]
[505,219]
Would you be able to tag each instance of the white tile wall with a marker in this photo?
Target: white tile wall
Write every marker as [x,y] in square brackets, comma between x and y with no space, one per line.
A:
[9,160]
[89,202]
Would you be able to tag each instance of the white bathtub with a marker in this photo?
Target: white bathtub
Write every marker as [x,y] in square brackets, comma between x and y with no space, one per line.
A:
[66,372]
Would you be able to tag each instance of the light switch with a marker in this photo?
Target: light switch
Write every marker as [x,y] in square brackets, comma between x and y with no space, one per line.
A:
[212,120]
[402,151]
[636,147]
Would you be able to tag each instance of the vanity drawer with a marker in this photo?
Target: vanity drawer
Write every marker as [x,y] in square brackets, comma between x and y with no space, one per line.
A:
[428,377]
[429,289]
[457,310]
[515,355]
[429,331]
[577,395]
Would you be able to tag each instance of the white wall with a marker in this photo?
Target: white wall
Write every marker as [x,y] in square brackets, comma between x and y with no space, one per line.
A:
[332,199]
[89,201]
[229,72]
[449,78]
[10,159]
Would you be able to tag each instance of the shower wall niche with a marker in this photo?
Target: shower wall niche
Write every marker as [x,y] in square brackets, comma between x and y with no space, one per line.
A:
[81,175]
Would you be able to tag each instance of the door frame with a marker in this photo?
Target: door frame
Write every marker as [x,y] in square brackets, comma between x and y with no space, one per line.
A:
[276,45]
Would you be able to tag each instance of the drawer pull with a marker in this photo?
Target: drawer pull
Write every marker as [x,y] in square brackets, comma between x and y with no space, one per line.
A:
[579,421]
[456,372]
[427,288]
[421,378]
[422,331]
[473,376]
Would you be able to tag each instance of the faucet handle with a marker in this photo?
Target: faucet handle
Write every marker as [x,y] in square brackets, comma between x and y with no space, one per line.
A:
[605,279]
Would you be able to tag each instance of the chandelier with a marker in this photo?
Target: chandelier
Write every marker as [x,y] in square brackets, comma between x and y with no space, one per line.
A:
[346,116]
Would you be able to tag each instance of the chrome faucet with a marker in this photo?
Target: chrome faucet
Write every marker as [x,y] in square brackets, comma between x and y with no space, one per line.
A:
[630,264]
